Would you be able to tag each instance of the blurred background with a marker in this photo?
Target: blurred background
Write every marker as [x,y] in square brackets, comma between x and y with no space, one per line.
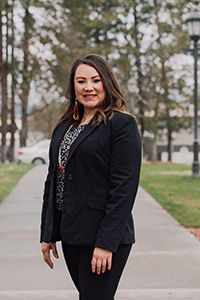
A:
[152,46]
[146,42]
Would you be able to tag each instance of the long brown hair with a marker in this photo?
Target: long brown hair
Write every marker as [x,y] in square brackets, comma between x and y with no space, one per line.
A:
[114,100]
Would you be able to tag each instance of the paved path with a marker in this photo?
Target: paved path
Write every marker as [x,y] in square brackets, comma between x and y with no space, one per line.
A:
[164,263]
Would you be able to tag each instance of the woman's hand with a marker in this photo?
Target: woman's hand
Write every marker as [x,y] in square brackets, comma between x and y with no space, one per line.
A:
[46,248]
[101,259]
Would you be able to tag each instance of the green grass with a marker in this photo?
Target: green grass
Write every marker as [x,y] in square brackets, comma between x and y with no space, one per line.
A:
[10,175]
[172,187]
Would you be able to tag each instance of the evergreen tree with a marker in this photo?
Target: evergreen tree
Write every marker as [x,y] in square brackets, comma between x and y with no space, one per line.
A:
[140,39]
[171,38]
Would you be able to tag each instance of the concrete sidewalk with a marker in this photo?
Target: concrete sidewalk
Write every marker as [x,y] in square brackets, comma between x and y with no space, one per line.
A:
[164,263]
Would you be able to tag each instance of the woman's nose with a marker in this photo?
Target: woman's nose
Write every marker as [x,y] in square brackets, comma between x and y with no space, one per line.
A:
[89,86]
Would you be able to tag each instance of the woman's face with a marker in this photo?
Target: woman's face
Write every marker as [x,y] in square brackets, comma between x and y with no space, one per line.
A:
[88,86]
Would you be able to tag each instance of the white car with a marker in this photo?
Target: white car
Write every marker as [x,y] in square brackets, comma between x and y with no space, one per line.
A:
[36,154]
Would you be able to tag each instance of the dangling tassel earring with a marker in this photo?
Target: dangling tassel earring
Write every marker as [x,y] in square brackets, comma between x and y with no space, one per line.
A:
[76,114]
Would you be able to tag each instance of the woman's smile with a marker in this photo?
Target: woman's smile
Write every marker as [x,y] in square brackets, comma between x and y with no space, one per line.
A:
[89,96]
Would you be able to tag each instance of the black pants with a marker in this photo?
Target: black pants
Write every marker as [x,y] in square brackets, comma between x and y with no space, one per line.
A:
[90,285]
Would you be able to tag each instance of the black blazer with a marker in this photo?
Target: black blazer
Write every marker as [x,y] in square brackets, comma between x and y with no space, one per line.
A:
[101,182]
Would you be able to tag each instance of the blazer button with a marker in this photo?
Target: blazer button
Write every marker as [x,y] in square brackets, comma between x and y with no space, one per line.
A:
[69,177]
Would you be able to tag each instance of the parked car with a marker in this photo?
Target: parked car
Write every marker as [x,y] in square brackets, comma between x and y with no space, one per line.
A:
[36,154]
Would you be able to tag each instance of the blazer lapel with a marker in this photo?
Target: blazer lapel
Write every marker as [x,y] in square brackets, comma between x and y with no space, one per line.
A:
[82,136]
[63,127]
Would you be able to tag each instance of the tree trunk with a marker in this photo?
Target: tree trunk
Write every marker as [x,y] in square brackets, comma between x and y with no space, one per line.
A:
[4,69]
[24,130]
[1,88]
[169,138]
[13,125]
[26,81]
[154,151]
[155,129]
[169,147]
[141,99]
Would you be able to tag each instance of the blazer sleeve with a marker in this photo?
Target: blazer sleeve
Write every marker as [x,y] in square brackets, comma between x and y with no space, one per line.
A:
[45,203]
[46,195]
[124,175]
[44,207]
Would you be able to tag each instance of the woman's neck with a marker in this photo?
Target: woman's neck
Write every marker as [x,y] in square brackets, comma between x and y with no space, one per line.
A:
[87,116]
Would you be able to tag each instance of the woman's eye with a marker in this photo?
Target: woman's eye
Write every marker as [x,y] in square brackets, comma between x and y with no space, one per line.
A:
[80,81]
[97,80]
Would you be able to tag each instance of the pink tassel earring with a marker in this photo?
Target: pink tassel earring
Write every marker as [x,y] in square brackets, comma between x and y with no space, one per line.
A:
[76,114]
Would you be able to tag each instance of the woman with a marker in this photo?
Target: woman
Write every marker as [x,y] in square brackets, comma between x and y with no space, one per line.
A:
[95,158]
